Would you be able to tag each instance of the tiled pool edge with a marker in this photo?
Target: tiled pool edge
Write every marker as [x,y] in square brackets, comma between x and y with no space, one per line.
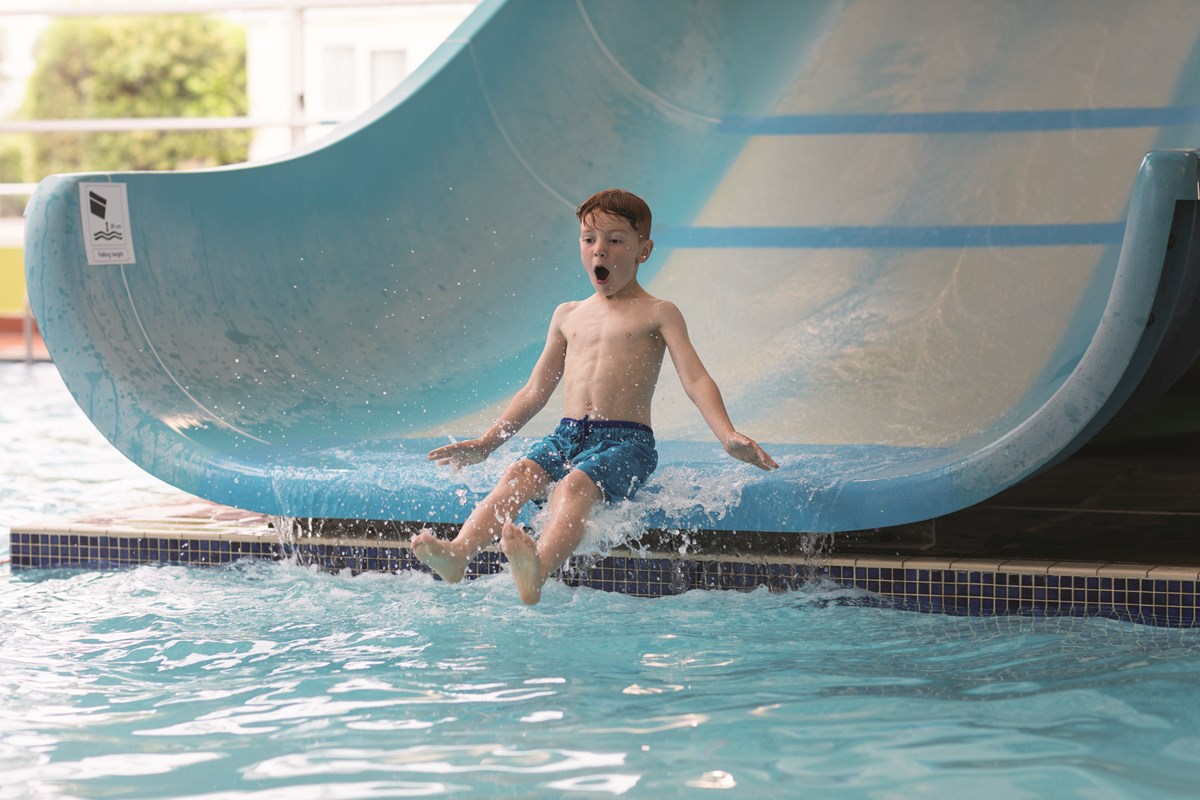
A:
[1148,594]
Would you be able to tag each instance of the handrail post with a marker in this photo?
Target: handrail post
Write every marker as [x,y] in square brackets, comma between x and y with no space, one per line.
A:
[27,330]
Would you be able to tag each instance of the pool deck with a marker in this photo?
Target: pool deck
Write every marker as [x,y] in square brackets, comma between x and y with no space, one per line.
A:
[1113,531]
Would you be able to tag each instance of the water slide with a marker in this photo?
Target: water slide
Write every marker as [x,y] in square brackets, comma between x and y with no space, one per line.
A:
[927,249]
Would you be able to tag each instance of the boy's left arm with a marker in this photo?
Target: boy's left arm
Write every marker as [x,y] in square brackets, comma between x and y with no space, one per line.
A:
[702,390]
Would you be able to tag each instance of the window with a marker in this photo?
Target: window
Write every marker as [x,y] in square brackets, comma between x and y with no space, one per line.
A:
[388,68]
[339,83]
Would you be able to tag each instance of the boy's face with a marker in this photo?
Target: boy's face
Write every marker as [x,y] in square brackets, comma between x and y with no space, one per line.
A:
[611,252]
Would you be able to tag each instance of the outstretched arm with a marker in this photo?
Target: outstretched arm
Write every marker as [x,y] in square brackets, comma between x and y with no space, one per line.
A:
[703,391]
[525,404]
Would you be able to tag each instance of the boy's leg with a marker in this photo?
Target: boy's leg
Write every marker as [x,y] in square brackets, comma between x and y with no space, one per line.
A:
[522,481]
[532,562]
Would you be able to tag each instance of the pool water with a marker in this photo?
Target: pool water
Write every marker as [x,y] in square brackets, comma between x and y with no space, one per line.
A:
[270,680]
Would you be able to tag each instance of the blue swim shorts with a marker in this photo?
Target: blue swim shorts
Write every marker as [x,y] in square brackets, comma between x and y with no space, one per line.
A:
[618,456]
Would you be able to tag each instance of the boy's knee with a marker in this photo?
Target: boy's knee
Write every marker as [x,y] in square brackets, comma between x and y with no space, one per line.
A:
[523,468]
[580,483]
[523,474]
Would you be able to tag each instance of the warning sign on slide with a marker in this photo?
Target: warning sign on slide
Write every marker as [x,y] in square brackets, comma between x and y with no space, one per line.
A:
[106,231]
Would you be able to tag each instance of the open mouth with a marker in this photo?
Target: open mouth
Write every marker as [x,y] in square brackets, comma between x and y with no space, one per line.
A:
[601,273]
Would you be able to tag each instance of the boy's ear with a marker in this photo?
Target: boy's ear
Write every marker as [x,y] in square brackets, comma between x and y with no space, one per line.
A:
[647,249]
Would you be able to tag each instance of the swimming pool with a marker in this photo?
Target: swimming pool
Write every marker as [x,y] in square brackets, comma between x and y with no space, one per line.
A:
[266,680]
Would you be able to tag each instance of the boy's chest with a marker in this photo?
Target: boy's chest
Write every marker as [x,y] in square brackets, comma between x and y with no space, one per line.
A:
[607,331]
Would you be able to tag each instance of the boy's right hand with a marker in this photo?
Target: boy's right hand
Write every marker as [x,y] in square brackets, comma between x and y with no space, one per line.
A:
[461,454]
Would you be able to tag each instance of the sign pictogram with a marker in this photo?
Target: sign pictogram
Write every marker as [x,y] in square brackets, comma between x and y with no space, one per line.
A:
[107,236]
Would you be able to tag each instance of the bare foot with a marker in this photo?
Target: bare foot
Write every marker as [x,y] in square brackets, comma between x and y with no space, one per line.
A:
[526,565]
[439,556]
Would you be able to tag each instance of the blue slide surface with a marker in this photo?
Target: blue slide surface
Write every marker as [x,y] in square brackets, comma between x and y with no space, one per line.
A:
[927,249]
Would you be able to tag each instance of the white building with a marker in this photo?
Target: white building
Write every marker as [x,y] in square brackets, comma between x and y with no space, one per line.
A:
[349,59]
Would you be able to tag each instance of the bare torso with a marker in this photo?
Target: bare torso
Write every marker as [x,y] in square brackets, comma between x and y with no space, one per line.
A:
[614,352]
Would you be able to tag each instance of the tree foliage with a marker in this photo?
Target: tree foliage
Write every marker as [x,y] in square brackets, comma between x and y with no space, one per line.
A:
[124,66]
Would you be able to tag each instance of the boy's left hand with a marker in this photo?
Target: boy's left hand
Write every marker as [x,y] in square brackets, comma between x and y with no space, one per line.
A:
[743,448]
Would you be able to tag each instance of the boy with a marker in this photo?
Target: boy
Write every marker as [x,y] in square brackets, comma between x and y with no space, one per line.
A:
[607,350]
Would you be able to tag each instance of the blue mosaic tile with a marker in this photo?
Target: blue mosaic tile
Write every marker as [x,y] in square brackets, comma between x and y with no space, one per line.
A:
[949,591]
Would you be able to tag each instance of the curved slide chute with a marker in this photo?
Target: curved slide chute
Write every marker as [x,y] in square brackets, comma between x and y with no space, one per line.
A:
[912,242]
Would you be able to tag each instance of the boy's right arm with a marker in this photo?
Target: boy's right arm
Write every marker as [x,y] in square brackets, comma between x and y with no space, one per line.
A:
[525,404]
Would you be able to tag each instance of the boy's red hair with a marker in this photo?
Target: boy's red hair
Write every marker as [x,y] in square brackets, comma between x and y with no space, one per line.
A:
[618,203]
